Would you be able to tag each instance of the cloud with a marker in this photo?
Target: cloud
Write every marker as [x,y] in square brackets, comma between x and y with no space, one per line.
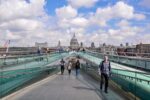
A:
[68,17]
[80,21]
[27,23]
[139,16]
[21,20]
[82,3]
[123,23]
[125,31]
[12,36]
[21,25]
[119,10]
[14,9]
[66,12]
[145,38]
[77,22]
[122,33]
[77,30]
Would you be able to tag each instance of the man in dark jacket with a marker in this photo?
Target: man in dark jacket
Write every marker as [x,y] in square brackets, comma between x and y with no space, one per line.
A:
[77,67]
[104,71]
[62,65]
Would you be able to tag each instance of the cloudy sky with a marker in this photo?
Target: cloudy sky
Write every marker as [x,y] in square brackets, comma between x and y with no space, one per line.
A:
[25,22]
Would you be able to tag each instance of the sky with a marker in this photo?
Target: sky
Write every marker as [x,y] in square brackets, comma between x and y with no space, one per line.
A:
[25,22]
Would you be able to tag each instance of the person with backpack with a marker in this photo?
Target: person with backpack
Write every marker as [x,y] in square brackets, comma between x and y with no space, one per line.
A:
[104,71]
[69,67]
[62,65]
[77,67]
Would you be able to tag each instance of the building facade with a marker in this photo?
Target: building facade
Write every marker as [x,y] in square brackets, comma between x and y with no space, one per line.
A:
[108,49]
[92,45]
[143,48]
[18,50]
[41,45]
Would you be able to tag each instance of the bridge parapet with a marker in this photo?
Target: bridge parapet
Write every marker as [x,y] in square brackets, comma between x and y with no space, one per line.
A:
[130,80]
[135,62]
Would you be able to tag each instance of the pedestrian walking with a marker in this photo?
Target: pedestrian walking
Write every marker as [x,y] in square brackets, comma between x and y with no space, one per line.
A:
[77,67]
[104,71]
[62,65]
[69,67]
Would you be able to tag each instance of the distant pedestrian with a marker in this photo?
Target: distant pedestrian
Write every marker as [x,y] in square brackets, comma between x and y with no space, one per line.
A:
[69,67]
[83,50]
[39,54]
[47,51]
[39,51]
[104,71]
[77,67]
[62,65]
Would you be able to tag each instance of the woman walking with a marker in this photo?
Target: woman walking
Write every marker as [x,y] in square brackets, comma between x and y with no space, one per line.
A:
[69,67]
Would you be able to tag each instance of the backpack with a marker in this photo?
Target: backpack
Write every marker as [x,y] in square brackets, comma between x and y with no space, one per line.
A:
[69,67]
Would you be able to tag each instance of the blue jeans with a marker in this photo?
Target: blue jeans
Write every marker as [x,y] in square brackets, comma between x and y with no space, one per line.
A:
[77,72]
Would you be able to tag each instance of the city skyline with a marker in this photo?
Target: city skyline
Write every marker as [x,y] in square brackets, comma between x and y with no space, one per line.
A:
[80,44]
[25,22]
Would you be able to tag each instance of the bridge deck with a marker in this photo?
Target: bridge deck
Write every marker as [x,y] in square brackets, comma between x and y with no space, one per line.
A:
[64,87]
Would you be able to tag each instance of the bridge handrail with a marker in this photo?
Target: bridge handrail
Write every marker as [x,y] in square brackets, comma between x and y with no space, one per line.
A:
[148,81]
[15,60]
[131,57]
[142,63]
[26,72]
[29,55]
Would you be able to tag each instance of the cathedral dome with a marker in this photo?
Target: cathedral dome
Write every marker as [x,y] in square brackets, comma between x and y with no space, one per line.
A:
[74,43]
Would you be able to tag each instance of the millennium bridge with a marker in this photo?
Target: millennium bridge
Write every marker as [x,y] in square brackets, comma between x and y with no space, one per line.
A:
[37,77]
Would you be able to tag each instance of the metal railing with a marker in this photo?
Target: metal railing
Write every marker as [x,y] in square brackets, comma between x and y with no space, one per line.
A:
[11,78]
[20,59]
[128,81]
[129,54]
[142,63]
